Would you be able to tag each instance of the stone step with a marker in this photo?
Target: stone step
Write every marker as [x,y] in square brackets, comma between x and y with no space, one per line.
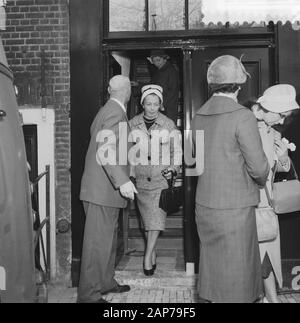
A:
[134,213]
[175,222]
[168,233]
[138,243]
[170,279]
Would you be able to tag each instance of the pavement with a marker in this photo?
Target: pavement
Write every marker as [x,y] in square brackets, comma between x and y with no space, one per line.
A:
[170,284]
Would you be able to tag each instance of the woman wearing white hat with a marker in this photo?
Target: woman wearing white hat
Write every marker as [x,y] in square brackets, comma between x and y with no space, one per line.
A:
[277,103]
[154,165]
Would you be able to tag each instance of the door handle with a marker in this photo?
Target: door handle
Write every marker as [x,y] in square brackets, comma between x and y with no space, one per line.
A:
[2,114]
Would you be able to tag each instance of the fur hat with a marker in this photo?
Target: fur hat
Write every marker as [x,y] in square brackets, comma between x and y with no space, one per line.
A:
[227,69]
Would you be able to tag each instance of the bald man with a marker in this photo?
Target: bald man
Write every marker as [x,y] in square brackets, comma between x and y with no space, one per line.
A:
[105,188]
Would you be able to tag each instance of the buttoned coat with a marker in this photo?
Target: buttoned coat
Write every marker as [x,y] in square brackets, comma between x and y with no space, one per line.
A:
[272,248]
[100,183]
[235,164]
[158,148]
[149,176]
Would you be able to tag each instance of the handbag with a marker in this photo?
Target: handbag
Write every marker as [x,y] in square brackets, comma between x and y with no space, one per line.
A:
[267,224]
[286,194]
[171,198]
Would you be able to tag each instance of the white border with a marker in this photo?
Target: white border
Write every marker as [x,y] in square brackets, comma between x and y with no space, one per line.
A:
[45,121]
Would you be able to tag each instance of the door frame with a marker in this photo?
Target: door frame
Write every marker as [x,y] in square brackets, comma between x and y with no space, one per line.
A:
[89,79]
[265,40]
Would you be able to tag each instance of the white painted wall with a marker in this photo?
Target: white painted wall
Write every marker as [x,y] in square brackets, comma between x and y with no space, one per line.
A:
[45,121]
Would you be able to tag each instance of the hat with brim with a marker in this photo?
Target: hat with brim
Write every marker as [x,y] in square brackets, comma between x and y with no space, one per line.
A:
[279,98]
[158,53]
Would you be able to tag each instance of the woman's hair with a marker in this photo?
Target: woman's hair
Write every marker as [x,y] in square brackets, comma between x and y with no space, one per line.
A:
[160,100]
[224,88]
[287,121]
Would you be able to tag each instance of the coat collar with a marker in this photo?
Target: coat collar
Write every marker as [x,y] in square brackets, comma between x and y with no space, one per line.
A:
[165,67]
[219,105]
[159,121]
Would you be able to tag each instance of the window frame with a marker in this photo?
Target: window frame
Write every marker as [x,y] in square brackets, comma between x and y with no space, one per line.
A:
[147,32]
[186,32]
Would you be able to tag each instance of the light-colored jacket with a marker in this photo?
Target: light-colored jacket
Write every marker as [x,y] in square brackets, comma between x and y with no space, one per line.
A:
[234,161]
[156,149]
[272,248]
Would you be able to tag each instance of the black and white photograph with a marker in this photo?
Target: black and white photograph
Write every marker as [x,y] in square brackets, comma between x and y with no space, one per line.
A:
[149,154]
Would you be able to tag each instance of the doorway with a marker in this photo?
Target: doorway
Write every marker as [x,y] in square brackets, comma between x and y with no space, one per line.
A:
[136,65]
[192,64]
[192,57]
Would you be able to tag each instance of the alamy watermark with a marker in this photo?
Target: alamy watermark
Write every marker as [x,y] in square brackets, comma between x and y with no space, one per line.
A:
[296,279]
[2,278]
[160,148]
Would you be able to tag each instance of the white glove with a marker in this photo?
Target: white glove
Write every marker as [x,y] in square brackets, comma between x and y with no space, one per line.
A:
[128,190]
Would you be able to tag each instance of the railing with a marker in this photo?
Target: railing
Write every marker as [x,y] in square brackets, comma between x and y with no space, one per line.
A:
[44,224]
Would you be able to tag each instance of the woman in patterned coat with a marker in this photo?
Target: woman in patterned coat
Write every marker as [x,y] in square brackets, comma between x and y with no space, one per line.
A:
[158,154]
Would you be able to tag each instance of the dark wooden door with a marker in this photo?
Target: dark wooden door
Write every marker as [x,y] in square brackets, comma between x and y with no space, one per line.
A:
[196,63]
[256,61]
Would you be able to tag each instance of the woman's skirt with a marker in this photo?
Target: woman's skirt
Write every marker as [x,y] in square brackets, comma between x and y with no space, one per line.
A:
[230,267]
[272,250]
[153,217]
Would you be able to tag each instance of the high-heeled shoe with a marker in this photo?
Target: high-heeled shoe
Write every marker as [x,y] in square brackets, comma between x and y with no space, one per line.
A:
[148,272]
[154,266]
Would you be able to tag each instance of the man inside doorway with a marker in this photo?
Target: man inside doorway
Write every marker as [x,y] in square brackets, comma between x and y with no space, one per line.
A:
[167,77]
[104,188]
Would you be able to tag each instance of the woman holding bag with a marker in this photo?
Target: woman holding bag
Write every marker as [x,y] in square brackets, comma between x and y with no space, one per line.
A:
[158,159]
[271,109]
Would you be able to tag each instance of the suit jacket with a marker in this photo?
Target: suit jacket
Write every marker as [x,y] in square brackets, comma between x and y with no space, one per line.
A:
[100,182]
[235,164]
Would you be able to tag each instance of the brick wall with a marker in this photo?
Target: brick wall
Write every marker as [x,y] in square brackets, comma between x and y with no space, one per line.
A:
[33,27]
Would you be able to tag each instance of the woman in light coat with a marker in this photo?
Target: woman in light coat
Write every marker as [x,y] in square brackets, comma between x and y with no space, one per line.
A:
[158,154]
[271,109]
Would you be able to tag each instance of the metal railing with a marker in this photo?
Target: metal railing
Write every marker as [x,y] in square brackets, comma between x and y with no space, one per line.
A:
[44,224]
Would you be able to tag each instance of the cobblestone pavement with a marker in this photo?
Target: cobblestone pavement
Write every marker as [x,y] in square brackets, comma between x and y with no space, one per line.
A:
[168,285]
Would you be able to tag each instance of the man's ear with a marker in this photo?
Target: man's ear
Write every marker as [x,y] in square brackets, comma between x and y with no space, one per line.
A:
[109,90]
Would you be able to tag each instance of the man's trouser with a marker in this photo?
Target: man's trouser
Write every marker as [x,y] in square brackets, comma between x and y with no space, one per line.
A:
[99,252]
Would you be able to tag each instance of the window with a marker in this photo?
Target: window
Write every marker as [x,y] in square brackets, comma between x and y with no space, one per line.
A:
[166,15]
[250,11]
[127,15]
[160,15]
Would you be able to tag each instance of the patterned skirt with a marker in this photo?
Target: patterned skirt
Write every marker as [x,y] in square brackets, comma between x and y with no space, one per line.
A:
[230,267]
[153,217]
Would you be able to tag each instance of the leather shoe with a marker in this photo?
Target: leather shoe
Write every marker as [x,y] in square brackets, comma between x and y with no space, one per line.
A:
[118,289]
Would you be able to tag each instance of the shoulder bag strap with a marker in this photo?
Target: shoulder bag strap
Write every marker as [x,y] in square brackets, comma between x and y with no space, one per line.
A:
[272,184]
[273,179]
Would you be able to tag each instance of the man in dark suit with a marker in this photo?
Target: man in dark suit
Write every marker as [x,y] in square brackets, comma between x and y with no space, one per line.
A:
[104,189]
[167,77]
